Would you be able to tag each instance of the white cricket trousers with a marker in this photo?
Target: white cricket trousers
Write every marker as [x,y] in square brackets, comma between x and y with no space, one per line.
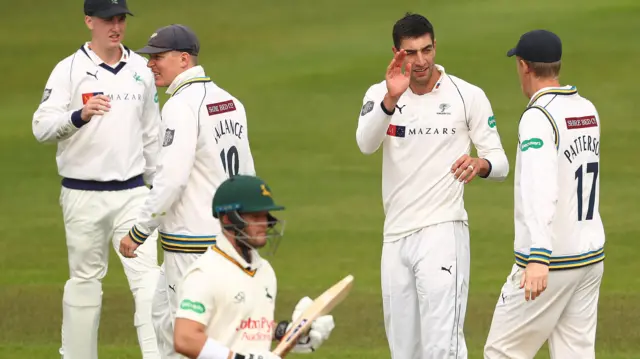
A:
[165,300]
[425,284]
[565,314]
[93,220]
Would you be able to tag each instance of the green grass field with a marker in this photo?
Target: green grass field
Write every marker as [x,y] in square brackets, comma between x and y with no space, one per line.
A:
[301,69]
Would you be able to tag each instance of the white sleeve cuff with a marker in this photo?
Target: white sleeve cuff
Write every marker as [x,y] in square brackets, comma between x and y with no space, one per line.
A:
[213,350]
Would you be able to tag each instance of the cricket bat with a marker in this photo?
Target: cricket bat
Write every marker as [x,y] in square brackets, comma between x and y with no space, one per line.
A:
[322,305]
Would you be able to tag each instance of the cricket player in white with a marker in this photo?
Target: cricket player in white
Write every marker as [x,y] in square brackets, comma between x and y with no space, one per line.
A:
[426,121]
[205,142]
[100,107]
[228,296]
[552,290]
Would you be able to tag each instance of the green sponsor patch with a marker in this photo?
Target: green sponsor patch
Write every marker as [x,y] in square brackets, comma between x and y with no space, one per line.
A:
[196,307]
[492,121]
[531,143]
[155,98]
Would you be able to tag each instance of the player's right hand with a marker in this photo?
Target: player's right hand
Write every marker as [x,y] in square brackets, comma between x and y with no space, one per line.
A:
[96,106]
[534,280]
[397,81]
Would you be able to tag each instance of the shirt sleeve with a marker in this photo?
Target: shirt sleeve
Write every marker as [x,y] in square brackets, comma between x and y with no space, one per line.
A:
[485,137]
[538,180]
[373,121]
[150,128]
[174,167]
[54,120]
[196,300]
[248,166]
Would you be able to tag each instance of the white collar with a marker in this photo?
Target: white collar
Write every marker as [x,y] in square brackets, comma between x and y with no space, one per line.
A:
[193,74]
[564,90]
[98,61]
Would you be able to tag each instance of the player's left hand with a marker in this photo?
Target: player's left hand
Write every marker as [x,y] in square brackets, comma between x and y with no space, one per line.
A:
[534,280]
[128,247]
[466,168]
[320,329]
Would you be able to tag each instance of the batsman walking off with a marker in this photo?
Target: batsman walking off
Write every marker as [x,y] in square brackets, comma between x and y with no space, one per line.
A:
[426,121]
[100,106]
[553,288]
[205,142]
[228,296]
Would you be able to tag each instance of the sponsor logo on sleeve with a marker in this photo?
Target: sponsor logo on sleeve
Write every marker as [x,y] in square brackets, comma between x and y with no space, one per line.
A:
[195,307]
[492,121]
[532,143]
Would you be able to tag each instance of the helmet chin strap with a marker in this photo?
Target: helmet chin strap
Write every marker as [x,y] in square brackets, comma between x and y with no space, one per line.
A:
[242,238]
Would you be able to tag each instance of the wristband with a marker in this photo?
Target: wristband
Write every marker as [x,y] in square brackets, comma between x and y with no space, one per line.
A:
[214,350]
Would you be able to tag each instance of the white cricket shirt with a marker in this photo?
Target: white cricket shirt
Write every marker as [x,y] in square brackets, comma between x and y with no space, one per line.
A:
[421,140]
[557,181]
[233,299]
[115,147]
[205,140]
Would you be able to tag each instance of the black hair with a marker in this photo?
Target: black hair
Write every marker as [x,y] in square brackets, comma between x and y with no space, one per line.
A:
[411,26]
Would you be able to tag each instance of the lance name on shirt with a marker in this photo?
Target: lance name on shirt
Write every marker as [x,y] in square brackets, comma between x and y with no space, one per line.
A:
[226,126]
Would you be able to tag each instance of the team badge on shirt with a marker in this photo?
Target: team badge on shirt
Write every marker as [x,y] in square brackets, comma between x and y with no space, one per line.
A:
[366,108]
[45,95]
[168,137]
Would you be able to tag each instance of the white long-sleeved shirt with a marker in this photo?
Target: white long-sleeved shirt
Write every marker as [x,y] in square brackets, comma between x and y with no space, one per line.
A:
[557,181]
[421,140]
[121,144]
[205,141]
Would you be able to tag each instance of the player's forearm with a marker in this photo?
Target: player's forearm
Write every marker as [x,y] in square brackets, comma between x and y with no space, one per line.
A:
[539,197]
[150,152]
[159,201]
[196,345]
[373,124]
[498,168]
[56,127]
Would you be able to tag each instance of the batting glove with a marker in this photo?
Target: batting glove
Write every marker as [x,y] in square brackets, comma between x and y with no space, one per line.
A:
[320,329]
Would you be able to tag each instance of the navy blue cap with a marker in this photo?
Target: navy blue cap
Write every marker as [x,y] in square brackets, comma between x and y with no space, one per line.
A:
[538,46]
[106,9]
[174,37]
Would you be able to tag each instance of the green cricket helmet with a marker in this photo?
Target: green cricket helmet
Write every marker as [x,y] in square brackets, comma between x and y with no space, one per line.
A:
[241,194]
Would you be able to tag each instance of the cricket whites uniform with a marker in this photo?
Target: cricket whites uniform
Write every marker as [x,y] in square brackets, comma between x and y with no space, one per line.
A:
[557,223]
[233,299]
[205,141]
[425,255]
[104,164]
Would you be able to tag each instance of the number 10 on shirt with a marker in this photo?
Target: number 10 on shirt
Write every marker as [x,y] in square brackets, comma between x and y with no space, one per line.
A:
[230,161]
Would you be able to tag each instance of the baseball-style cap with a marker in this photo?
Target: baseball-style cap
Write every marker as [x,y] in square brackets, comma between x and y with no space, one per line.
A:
[106,8]
[173,37]
[538,46]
